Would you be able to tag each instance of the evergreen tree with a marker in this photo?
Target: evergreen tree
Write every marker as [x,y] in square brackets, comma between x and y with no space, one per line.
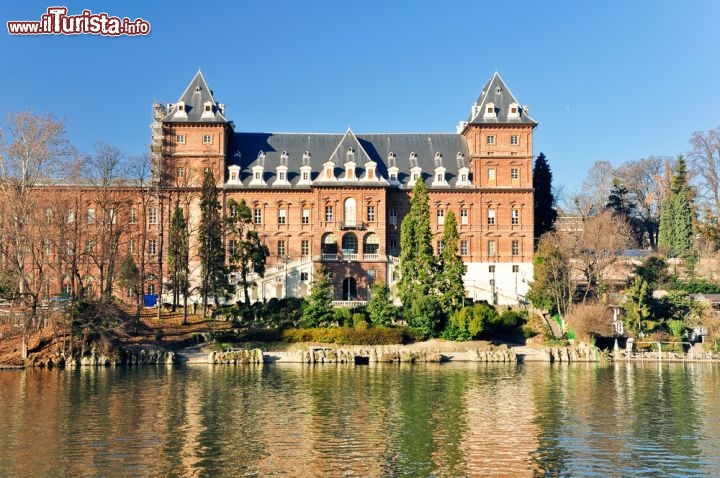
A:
[676,215]
[450,286]
[318,311]
[545,213]
[249,254]
[620,204]
[128,275]
[417,287]
[213,273]
[638,306]
[418,269]
[380,308]
[178,255]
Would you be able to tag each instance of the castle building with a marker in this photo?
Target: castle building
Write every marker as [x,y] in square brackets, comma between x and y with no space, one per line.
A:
[336,201]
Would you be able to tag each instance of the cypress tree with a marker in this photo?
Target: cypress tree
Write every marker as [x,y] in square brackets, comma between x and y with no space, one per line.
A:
[545,213]
[676,215]
[418,268]
[213,273]
[452,290]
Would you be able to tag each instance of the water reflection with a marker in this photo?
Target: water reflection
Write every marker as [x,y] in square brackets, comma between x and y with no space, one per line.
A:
[643,419]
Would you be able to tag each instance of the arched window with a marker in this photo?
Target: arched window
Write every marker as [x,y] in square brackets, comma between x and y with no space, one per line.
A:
[349,243]
[329,244]
[371,243]
[350,215]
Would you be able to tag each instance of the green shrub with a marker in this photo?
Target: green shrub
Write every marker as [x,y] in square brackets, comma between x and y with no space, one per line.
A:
[343,316]
[359,321]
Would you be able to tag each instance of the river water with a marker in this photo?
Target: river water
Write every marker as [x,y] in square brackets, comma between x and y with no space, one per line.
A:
[446,420]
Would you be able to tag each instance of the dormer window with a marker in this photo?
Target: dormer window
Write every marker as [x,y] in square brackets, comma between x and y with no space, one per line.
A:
[490,111]
[393,176]
[306,175]
[514,111]
[208,108]
[281,175]
[258,176]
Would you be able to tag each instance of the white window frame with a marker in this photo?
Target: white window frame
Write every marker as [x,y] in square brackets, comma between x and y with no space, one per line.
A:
[282,250]
[153,216]
[515,140]
[491,174]
[305,247]
[464,216]
[440,216]
[515,174]
[207,139]
[305,216]
[464,247]
[490,139]
[491,218]
[180,138]
[282,216]
[515,219]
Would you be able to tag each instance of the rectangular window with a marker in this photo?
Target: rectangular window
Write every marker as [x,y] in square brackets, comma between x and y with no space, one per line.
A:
[133,215]
[91,216]
[328,213]
[48,215]
[490,139]
[232,247]
[515,174]
[491,269]
[393,247]
[258,175]
[152,247]
[153,217]
[112,215]
[180,172]
[440,217]
[232,211]
[393,217]
[464,247]
[70,216]
[151,289]
[440,246]
[514,140]
[89,247]
[393,177]
[515,217]
[492,250]
[491,217]
[305,247]
[282,216]
[69,248]
[207,139]
[371,213]
[306,176]
[515,248]
[281,247]
[306,216]
[131,246]
[257,215]
[516,269]
[304,276]
[439,178]
[180,139]
[491,174]
[281,175]
[464,216]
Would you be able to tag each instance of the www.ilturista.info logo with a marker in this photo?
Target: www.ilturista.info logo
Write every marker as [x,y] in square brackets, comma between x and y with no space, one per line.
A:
[57,22]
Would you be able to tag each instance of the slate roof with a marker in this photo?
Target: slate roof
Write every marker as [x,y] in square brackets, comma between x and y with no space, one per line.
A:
[496,92]
[195,96]
[246,147]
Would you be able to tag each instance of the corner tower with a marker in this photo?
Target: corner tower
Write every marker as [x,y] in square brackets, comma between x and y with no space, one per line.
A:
[499,137]
[195,137]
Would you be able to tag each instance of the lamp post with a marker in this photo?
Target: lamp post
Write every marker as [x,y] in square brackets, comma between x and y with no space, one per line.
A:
[286,260]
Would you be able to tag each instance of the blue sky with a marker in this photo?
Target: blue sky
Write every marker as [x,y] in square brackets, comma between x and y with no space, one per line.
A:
[606,80]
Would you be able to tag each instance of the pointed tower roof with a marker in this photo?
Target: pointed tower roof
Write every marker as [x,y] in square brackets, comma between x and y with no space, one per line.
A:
[497,105]
[196,105]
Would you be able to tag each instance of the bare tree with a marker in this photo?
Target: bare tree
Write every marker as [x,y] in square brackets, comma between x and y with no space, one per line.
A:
[596,246]
[33,152]
[643,179]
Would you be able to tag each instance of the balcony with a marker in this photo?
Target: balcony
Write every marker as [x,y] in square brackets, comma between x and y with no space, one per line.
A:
[326,256]
[371,257]
[352,225]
